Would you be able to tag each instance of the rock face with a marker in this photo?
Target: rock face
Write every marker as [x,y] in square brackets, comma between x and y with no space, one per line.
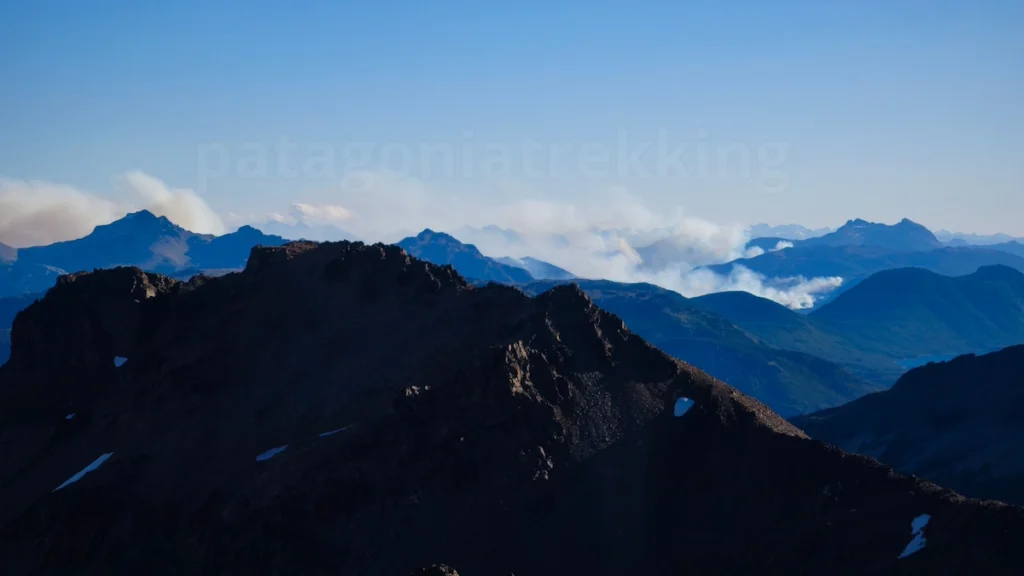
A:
[348,409]
[958,423]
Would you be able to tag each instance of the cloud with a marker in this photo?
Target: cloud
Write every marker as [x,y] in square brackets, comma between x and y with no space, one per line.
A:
[35,213]
[319,214]
[782,245]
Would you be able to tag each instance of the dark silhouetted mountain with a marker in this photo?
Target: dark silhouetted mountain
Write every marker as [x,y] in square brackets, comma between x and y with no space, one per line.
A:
[7,253]
[786,231]
[958,422]
[905,236]
[790,382]
[348,409]
[9,308]
[538,269]
[442,249]
[304,231]
[854,263]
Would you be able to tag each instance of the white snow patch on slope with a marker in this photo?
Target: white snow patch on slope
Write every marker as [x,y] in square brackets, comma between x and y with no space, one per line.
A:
[333,432]
[119,361]
[69,416]
[682,406]
[271,453]
[917,530]
[95,464]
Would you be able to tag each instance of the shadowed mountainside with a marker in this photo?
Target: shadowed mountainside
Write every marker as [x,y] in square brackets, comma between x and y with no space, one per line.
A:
[348,409]
[958,423]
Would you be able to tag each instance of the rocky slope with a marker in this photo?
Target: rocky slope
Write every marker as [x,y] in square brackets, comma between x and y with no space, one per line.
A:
[958,423]
[347,409]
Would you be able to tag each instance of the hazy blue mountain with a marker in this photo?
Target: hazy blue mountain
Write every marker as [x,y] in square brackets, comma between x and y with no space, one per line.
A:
[786,231]
[892,320]
[304,231]
[958,423]
[854,263]
[790,382]
[902,236]
[8,253]
[441,249]
[538,268]
[962,239]
[141,239]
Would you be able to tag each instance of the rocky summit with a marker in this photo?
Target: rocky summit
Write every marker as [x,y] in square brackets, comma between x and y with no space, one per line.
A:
[348,409]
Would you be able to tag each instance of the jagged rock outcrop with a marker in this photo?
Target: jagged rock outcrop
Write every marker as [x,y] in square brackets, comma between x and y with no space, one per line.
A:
[348,409]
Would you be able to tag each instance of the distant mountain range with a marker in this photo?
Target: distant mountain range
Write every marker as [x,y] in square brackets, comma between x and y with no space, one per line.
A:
[786,231]
[962,239]
[790,382]
[881,325]
[139,239]
[904,236]
[304,231]
[958,423]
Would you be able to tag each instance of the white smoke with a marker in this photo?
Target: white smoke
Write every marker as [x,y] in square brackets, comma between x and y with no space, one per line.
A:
[36,213]
[179,205]
[612,236]
[782,245]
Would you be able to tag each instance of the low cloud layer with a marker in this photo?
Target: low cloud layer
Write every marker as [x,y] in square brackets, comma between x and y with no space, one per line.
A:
[36,213]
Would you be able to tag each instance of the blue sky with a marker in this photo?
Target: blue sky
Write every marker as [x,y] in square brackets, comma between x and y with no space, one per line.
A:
[883,109]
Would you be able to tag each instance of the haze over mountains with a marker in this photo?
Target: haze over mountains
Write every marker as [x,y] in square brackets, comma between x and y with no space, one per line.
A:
[350,409]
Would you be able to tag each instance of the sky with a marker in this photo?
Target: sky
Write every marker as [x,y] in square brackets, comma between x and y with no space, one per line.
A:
[400,115]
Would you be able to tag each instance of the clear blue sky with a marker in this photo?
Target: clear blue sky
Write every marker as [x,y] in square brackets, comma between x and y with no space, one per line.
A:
[888,109]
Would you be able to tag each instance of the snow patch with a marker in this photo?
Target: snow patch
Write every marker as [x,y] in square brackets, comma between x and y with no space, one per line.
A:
[95,464]
[683,405]
[917,530]
[333,432]
[69,416]
[271,453]
[119,361]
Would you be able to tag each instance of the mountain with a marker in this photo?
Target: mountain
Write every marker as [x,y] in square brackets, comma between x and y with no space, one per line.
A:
[914,312]
[18,278]
[347,409]
[905,236]
[9,308]
[7,253]
[962,239]
[884,323]
[958,423]
[140,239]
[537,268]
[442,249]
[853,263]
[789,382]
[1013,247]
[303,231]
[786,231]
[769,244]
